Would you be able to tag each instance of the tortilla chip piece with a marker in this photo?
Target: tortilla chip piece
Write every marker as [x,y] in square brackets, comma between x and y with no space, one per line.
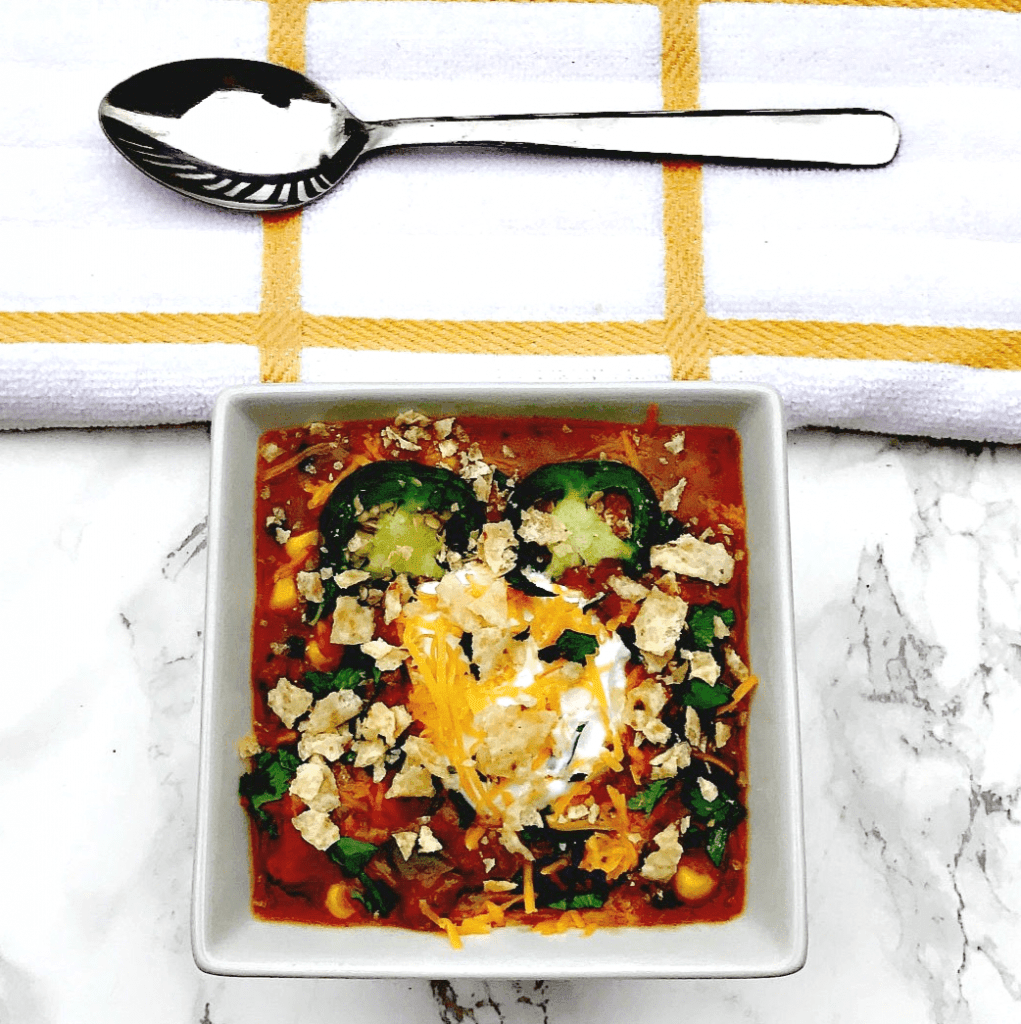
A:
[659,622]
[513,737]
[332,711]
[315,785]
[661,864]
[328,745]
[289,702]
[405,842]
[316,828]
[412,781]
[497,547]
[386,656]
[353,623]
[696,558]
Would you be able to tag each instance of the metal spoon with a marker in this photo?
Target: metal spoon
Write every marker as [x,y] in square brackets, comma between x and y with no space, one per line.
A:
[249,135]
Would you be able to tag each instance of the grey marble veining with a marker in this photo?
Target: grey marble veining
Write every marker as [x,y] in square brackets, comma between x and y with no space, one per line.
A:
[908,598]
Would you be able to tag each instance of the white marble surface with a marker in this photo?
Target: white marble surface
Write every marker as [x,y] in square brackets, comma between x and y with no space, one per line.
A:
[908,591]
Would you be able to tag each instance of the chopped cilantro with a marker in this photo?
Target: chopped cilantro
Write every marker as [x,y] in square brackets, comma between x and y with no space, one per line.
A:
[377,897]
[530,835]
[698,694]
[700,622]
[295,647]
[571,646]
[313,611]
[465,811]
[319,684]
[575,646]
[583,901]
[355,672]
[351,855]
[646,799]
[268,780]
[716,845]
[724,811]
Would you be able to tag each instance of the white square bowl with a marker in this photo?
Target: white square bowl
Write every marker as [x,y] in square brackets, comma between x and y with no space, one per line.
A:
[769,938]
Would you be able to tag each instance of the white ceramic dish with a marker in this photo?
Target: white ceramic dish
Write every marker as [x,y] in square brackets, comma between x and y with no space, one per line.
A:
[769,938]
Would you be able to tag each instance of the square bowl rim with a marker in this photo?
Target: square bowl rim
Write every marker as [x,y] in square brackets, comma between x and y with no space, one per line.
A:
[251,955]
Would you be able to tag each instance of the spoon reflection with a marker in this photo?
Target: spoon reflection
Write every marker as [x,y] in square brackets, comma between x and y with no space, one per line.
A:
[248,135]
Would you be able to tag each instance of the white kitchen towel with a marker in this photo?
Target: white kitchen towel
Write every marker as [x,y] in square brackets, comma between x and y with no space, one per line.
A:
[102,385]
[99,385]
[887,396]
[933,239]
[123,303]
[924,254]
[80,230]
[487,236]
[325,365]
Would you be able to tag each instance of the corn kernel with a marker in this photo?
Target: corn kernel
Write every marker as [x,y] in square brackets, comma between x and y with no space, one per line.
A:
[284,595]
[301,544]
[315,656]
[339,903]
[692,885]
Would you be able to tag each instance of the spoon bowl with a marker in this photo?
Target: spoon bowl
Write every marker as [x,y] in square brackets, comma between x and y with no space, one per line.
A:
[242,134]
[249,135]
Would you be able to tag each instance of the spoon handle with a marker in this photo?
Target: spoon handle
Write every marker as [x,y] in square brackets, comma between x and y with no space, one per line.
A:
[834,138]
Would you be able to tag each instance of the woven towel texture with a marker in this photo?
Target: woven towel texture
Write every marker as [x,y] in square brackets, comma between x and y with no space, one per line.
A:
[700,267]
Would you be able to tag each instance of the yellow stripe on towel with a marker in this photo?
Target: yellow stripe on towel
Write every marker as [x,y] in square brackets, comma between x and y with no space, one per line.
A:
[281,328]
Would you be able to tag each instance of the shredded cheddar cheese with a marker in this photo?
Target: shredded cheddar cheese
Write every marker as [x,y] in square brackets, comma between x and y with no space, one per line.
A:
[529,886]
[740,693]
[567,920]
[473,835]
[613,853]
[438,699]
[552,615]
[612,761]
[443,923]
[496,914]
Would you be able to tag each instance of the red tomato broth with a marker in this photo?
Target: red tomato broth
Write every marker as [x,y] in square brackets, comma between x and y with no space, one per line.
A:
[291,878]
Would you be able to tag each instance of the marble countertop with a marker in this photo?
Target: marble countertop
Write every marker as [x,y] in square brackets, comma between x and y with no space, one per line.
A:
[908,600]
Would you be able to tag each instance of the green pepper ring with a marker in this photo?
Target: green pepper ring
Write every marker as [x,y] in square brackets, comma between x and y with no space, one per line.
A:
[556,480]
[409,485]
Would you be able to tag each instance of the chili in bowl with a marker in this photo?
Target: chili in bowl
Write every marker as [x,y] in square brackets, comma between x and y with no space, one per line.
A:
[483,685]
